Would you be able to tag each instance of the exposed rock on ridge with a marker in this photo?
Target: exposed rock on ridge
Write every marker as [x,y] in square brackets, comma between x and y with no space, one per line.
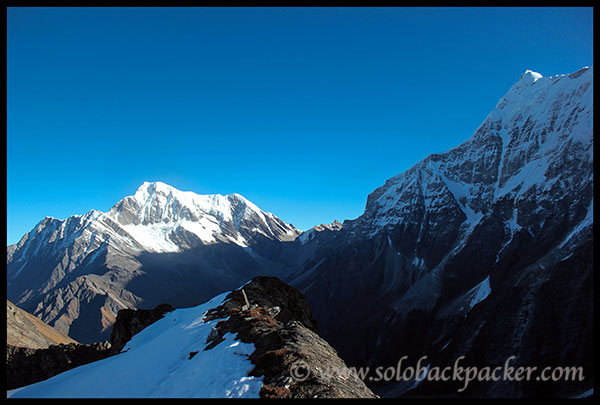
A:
[266,324]
[293,360]
[132,321]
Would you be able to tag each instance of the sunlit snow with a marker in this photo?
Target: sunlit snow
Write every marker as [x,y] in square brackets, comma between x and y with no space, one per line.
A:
[156,363]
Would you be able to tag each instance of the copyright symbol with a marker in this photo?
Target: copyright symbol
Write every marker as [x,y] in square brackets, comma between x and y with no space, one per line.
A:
[299,371]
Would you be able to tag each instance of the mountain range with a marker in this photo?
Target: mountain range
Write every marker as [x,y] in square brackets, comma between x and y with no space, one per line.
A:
[483,251]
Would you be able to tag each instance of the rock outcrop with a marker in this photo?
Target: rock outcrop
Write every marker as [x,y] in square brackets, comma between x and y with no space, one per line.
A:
[294,361]
[27,366]
[131,321]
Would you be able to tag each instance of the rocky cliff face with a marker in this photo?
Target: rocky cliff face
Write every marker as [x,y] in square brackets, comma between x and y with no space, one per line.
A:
[159,245]
[483,251]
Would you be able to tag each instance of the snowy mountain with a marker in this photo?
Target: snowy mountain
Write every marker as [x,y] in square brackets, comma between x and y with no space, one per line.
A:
[312,232]
[541,127]
[160,218]
[217,349]
[75,274]
[466,252]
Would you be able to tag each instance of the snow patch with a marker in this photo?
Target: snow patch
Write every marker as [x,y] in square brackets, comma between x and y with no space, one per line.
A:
[480,292]
[585,222]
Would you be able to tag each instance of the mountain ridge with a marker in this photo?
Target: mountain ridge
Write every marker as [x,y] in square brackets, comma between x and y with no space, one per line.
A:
[94,261]
[509,208]
[221,348]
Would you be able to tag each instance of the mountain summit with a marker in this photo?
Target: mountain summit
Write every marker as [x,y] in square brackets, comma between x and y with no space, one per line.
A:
[539,129]
[163,219]
[90,266]
[484,250]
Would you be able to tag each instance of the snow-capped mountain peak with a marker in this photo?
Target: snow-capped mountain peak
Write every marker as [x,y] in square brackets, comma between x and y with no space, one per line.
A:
[530,76]
[519,148]
[99,253]
[158,216]
[498,228]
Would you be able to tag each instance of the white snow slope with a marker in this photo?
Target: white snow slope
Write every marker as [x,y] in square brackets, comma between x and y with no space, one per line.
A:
[156,363]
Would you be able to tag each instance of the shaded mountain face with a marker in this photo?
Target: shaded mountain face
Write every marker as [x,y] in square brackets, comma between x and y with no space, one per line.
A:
[223,348]
[25,330]
[315,230]
[483,251]
[159,245]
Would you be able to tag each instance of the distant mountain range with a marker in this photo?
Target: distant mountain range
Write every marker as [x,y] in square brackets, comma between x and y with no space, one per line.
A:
[484,251]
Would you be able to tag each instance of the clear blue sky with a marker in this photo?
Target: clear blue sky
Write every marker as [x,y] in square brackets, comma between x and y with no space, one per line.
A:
[302,111]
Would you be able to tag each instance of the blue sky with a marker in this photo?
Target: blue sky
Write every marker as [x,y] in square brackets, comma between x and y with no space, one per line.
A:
[304,111]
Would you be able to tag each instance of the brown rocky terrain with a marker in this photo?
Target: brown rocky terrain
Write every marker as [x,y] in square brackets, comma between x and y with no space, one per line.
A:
[28,365]
[293,359]
[25,330]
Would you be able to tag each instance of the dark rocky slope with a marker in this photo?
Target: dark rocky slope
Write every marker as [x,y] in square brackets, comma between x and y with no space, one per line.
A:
[132,321]
[27,366]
